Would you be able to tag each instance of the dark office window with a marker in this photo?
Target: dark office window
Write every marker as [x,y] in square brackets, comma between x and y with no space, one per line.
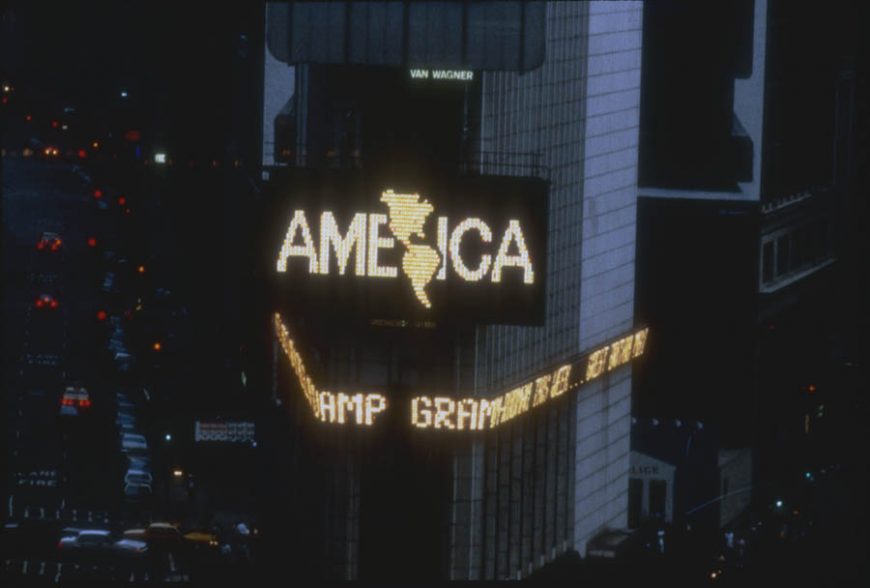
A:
[783,251]
[658,493]
[635,502]
[767,262]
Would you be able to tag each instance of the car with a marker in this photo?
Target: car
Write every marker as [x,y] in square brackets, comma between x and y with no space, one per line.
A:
[201,539]
[74,401]
[137,493]
[133,443]
[160,533]
[130,547]
[49,242]
[46,302]
[135,476]
[138,462]
[87,543]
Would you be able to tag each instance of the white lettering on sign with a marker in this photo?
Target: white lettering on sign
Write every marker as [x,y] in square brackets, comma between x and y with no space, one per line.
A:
[360,245]
[459,75]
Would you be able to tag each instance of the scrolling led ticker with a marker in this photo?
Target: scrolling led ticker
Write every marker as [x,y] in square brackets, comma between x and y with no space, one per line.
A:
[448,413]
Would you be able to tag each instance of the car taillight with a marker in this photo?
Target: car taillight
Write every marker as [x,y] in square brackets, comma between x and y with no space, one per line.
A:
[92,242]
[53,303]
[40,245]
[101,315]
[98,193]
[66,401]
[39,303]
[122,201]
[85,402]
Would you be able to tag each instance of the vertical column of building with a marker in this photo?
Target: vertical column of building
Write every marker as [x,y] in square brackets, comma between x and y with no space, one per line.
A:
[603,417]
[535,119]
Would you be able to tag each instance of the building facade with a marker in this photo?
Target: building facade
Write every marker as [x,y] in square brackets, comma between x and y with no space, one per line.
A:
[505,502]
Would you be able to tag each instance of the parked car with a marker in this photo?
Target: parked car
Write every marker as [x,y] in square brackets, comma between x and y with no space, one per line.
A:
[131,547]
[202,539]
[156,534]
[46,302]
[86,544]
[74,401]
[49,242]
[137,493]
[134,476]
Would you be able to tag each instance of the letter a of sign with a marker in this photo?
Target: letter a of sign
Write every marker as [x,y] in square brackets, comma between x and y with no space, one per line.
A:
[305,250]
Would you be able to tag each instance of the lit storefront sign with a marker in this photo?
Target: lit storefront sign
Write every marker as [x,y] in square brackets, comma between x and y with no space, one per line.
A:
[460,250]
[465,414]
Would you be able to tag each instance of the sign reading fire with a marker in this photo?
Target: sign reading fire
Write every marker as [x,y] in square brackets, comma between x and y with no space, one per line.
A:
[460,249]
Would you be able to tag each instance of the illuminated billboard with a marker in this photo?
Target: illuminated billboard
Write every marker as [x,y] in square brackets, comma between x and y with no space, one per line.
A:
[449,413]
[445,249]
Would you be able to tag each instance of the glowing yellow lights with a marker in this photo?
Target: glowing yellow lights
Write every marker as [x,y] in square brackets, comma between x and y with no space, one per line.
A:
[377,242]
[514,234]
[177,473]
[299,223]
[356,237]
[478,414]
[308,388]
[455,240]
[337,408]
[421,263]
[462,414]
[408,214]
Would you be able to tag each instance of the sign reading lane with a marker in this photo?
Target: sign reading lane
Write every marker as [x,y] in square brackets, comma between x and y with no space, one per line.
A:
[467,249]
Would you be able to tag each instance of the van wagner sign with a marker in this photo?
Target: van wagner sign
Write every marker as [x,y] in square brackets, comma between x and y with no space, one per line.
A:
[461,249]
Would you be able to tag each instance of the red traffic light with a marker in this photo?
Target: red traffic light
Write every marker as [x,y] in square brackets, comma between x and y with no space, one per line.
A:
[101,315]
[92,242]
[82,154]
[122,201]
[98,193]
[54,124]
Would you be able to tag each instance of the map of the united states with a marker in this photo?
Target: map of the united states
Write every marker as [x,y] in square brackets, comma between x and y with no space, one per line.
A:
[407,216]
